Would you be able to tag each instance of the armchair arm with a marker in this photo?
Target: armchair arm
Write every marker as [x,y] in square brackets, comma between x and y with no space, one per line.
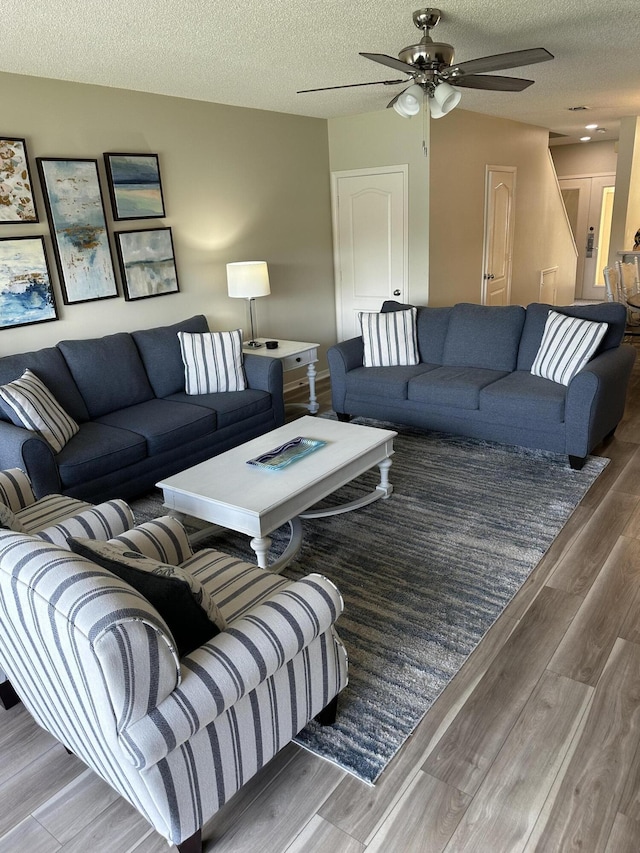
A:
[265,374]
[22,448]
[596,399]
[343,357]
[103,521]
[231,665]
[15,489]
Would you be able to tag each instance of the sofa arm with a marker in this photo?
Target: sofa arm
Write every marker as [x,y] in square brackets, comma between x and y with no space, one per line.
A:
[343,357]
[24,449]
[232,664]
[265,374]
[103,522]
[596,398]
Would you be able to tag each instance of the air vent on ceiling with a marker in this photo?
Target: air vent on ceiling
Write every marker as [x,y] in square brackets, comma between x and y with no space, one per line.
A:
[578,109]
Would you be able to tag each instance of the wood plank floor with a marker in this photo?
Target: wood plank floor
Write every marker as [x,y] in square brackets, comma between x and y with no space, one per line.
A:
[533,747]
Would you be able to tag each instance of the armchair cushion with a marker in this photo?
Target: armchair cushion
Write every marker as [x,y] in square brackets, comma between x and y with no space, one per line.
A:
[30,404]
[103,521]
[15,489]
[163,539]
[189,611]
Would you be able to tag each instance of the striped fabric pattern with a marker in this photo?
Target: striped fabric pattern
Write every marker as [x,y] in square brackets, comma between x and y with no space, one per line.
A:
[94,664]
[389,339]
[212,362]
[15,489]
[567,345]
[101,522]
[163,539]
[35,408]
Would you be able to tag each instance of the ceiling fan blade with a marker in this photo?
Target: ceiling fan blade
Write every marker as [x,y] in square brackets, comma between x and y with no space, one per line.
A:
[513,59]
[391,62]
[352,86]
[497,84]
[394,99]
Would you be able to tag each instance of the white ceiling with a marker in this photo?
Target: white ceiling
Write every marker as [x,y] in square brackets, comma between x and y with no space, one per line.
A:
[253,53]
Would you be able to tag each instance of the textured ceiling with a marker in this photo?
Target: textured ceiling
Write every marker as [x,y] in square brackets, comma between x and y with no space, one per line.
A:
[257,54]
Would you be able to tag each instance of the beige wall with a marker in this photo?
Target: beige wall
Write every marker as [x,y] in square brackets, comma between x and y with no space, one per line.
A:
[462,145]
[383,138]
[239,184]
[447,213]
[585,159]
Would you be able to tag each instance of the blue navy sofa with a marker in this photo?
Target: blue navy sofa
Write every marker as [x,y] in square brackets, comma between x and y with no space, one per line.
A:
[474,379]
[137,424]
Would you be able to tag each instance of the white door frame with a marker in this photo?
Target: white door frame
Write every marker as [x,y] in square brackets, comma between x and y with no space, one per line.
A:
[485,243]
[403,169]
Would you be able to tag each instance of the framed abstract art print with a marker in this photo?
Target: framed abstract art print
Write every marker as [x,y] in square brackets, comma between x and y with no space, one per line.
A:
[78,228]
[147,263]
[135,187]
[17,203]
[26,294]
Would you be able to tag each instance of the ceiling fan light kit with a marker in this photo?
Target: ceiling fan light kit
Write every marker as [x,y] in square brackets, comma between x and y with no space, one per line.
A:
[431,69]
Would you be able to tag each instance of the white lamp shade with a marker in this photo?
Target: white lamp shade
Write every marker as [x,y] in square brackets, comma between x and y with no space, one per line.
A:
[445,98]
[408,104]
[248,279]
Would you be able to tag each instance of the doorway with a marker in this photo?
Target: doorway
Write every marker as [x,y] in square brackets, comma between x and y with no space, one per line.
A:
[589,205]
[371,246]
[500,186]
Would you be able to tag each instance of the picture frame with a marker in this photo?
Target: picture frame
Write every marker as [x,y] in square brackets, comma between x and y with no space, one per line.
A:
[76,213]
[147,263]
[135,186]
[26,291]
[17,200]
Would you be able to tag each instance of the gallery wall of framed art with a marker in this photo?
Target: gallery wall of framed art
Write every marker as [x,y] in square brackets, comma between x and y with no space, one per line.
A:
[79,233]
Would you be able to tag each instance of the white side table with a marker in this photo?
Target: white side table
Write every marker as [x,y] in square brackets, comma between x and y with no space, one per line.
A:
[293,354]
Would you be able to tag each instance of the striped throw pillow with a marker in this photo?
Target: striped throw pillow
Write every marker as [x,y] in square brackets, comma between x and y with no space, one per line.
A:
[32,405]
[389,339]
[212,362]
[567,345]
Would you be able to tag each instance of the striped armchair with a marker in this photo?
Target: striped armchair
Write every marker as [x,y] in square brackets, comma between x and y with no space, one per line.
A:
[96,666]
[54,518]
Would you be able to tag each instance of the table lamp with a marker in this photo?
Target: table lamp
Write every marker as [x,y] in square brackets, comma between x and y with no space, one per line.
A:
[248,280]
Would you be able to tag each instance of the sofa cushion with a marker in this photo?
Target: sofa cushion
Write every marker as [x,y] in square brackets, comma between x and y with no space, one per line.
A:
[212,362]
[178,597]
[611,313]
[431,325]
[97,449]
[389,338]
[524,399]
[163,423]
[108,371]
[49,365]
[484,336]
[457,387]
[230,407]
[386,382]
[159,349]
[33,406]
[567,345]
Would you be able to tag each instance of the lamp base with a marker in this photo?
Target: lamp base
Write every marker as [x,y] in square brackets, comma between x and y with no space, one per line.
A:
[253,344]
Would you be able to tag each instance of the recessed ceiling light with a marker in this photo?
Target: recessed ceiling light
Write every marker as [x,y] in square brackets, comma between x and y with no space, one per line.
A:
[585,138]
[590,126]
[601,130]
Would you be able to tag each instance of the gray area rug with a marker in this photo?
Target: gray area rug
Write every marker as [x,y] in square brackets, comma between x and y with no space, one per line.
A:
[423,574]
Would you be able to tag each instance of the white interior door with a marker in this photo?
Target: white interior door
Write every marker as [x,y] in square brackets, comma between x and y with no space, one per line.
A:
[589,204]
[498,235]
[370,233]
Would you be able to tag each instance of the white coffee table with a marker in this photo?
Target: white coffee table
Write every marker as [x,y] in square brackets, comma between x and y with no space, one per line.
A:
[226,491]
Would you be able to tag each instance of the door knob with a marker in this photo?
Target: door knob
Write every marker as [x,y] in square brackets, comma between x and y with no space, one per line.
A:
[396,293]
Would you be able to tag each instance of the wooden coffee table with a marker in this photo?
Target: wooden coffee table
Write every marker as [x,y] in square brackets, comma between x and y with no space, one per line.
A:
[228,492]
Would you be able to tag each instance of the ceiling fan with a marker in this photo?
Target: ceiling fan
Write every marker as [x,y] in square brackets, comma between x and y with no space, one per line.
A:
[431,68]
